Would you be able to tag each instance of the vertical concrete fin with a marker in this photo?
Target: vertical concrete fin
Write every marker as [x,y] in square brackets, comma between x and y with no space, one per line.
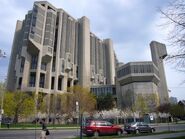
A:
[11,69]
[158,51]
[84,52]
[110,61]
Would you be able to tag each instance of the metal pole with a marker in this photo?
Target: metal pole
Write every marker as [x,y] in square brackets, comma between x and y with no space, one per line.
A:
[36,103]
[78,115]
[168,125]
[81,117]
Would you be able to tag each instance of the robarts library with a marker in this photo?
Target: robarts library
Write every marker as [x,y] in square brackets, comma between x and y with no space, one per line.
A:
[52,51]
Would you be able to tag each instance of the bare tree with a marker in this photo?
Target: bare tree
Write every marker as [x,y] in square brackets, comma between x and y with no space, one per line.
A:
[175,15]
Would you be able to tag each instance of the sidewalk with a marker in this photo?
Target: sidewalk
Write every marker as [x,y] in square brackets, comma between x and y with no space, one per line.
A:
[38,128]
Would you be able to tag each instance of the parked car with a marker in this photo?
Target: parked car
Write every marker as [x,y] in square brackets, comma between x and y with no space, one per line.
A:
[96,128]
[138,127]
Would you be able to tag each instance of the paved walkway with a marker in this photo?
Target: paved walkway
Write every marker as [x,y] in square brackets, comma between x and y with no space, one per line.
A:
[161,136]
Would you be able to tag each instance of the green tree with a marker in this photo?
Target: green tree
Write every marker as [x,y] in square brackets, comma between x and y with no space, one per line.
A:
[105,102]
[42,102]
[18,105]
[85,99]
[2,90]
[152,101]
[177,111]
[67,104]
[140,104]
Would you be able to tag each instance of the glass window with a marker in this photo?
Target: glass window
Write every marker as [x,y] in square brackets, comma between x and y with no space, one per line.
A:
[42,79]
[34,62]
[22,64]
[102,124]
[32,79]
[43,66]
[109,124]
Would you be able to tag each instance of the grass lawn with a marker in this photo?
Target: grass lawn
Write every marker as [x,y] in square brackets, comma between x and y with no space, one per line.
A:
[31,125]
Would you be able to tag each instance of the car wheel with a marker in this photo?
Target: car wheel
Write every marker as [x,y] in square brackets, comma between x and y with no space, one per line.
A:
[128,132]
[152,130]
[119,132]
[96,134]
[137,131]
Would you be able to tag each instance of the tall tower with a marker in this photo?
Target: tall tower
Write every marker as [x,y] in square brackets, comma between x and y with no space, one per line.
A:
[84,52]
[11,79]
[110,62]
[158,51]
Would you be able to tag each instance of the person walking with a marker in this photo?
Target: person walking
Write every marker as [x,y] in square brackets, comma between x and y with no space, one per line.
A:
[44,129]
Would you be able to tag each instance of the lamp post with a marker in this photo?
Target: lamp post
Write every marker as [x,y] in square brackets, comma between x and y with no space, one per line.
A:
[77,115]
[77,111]
[80,117]
[2,54]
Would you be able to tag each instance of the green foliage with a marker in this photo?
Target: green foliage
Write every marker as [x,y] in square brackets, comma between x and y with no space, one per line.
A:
[2,89]
[18,104]
[83,96]
[106,102]
[41,102]
[140,104]
[67,103]
[177,110]
[145,103]
[152,101]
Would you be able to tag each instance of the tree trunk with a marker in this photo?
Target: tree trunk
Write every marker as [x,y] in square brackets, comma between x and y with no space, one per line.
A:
[16,117]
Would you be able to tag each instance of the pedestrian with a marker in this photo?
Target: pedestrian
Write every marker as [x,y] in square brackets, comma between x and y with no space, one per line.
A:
[8,125]
[43,131]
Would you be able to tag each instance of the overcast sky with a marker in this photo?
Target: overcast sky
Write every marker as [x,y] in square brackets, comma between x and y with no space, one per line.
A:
[131,24]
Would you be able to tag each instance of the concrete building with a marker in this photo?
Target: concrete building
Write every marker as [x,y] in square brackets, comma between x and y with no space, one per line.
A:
[158,51]
[52,51]
[143,78]
[103,90]
[173,100]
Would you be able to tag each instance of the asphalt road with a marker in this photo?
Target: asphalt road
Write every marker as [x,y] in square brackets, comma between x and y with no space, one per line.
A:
[32,134]
[70,133]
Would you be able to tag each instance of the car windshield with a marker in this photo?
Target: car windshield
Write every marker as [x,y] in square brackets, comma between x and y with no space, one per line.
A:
[87,123]
[133,124]
[109,124]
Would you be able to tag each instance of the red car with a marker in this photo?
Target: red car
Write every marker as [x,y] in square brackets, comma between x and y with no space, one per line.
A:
[97,128]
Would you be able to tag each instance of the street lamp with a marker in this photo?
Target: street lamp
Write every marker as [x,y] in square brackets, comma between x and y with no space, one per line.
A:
[80,115]
[2,54]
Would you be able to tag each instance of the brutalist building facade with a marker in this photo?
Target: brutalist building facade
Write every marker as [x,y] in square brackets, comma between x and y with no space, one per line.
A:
[52,51]
[145,78]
